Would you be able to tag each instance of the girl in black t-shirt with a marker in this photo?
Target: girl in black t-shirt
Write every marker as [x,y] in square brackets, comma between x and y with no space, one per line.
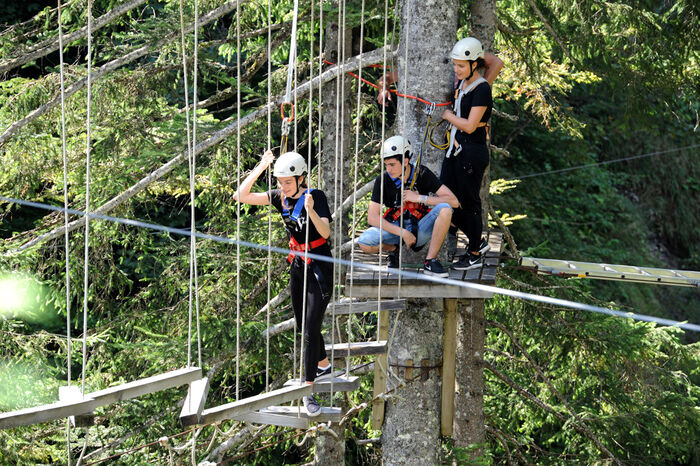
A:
[301,208]
[467,157]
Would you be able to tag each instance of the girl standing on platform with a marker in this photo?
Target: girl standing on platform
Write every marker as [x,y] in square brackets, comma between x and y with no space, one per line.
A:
[301,208]
[468,156]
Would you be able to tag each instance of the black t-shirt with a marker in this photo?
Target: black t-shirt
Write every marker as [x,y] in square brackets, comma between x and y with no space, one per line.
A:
[426,183]
[480,96]
[297,229]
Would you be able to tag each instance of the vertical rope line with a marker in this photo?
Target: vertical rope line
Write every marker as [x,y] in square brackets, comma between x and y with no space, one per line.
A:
[189,161]
[292,53]
[65,218]
[320,86]
[354,182]
[87,195]
[405,109]
[194,165]
[238,204]
[381,168]
[269,190]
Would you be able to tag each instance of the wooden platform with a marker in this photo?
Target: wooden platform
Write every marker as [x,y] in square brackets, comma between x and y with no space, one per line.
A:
[364,283]
[364,348]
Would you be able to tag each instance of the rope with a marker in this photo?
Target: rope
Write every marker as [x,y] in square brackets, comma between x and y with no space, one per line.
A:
[269,190]
[238,204]
[65,218]
[193,254]
[87,197]
[371,267]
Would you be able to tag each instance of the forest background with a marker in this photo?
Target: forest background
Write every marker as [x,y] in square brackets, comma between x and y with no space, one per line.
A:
[584,84]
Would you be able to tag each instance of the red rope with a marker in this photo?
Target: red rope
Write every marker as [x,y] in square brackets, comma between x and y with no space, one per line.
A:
[408,96]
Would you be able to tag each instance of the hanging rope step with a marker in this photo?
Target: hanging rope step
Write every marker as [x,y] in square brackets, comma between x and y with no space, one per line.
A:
[291,416]
[326,383]
[194,402]
[365,348]
[90,401]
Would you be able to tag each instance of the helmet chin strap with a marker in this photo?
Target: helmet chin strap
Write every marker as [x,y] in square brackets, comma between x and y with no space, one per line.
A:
[296,178]
[473,69]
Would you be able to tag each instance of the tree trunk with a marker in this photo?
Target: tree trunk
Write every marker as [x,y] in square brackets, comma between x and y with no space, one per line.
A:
[469,394]
[411,431]
[330,451]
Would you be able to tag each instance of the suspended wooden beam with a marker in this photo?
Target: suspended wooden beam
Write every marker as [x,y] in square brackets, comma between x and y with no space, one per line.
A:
[627,273]
[290,416]
[342,350]
[71,393]
[93,400]
[360,307]
[194,402]
[254,403]
[340,384]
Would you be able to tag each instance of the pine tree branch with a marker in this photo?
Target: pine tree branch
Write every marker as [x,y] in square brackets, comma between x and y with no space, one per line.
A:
[514,32]
[374,56]
[578,421]
[549,28]
[113,65]
[51,45]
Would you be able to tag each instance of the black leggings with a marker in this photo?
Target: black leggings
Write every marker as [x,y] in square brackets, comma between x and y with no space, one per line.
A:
[318,295]
[463,174]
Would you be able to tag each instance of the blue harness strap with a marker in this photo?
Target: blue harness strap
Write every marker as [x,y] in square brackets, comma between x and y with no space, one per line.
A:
[297,207]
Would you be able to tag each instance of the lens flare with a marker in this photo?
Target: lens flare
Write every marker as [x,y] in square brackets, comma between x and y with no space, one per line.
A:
[22,297]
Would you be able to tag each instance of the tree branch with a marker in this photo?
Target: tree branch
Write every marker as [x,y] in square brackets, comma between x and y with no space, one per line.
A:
[374,56]
[111,66]
[578,421]
[549,27]
[51,45]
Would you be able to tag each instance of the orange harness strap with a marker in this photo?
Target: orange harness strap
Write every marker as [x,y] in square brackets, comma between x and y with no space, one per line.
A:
[294,245]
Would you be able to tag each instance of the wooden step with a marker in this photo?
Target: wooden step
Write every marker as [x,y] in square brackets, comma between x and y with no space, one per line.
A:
[194,402]
[340,350]
[290,416]
[93,400]
[360,307]
[323,385]
[71,393]
[254,403]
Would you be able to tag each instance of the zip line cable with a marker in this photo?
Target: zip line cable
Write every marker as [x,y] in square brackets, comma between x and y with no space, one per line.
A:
[372,267]
[606,162]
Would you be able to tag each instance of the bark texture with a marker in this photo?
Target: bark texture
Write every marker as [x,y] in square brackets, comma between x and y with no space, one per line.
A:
[330,451]
[411,431]
[468,426]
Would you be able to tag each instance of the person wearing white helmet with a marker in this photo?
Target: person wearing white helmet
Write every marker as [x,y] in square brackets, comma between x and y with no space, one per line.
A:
[467,156]
[301,209]
[426,210]
[491,64]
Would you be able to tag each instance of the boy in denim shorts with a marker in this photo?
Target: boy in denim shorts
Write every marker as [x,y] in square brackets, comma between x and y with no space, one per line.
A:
[426,211]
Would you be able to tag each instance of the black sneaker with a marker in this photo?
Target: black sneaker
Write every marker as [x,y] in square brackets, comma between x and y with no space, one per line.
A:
[433,267]
[484,247]
[321,372]
[313,408]
[392,259]
[468,261]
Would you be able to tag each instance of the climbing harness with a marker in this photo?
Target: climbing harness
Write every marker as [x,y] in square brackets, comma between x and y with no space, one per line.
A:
[294,245]
[459,94]
[298,207]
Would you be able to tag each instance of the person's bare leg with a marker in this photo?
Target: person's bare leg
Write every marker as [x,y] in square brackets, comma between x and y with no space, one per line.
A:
[440,227]
[375,249]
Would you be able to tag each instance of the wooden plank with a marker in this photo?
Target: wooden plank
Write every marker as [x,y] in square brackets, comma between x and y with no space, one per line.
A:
[254,403]
[140,387]
[364,348]
[194,402]
[448,367]
[334,414]
[423,290]
[367,306]
[44,413]
[272,419]
[340,384]
[72,393]
[380,369]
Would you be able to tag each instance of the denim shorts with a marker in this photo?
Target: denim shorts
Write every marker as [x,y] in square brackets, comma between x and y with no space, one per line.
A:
[425,229]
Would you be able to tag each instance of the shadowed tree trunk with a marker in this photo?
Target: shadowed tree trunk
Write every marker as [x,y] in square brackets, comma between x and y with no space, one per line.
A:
[411,430]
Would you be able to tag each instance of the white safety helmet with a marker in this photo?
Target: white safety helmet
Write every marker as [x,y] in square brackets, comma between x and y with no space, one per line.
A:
[469,48]
[290,164]
[396,146]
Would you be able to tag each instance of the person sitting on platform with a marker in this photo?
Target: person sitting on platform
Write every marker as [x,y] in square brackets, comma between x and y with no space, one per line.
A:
[427,209]
[301,208]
